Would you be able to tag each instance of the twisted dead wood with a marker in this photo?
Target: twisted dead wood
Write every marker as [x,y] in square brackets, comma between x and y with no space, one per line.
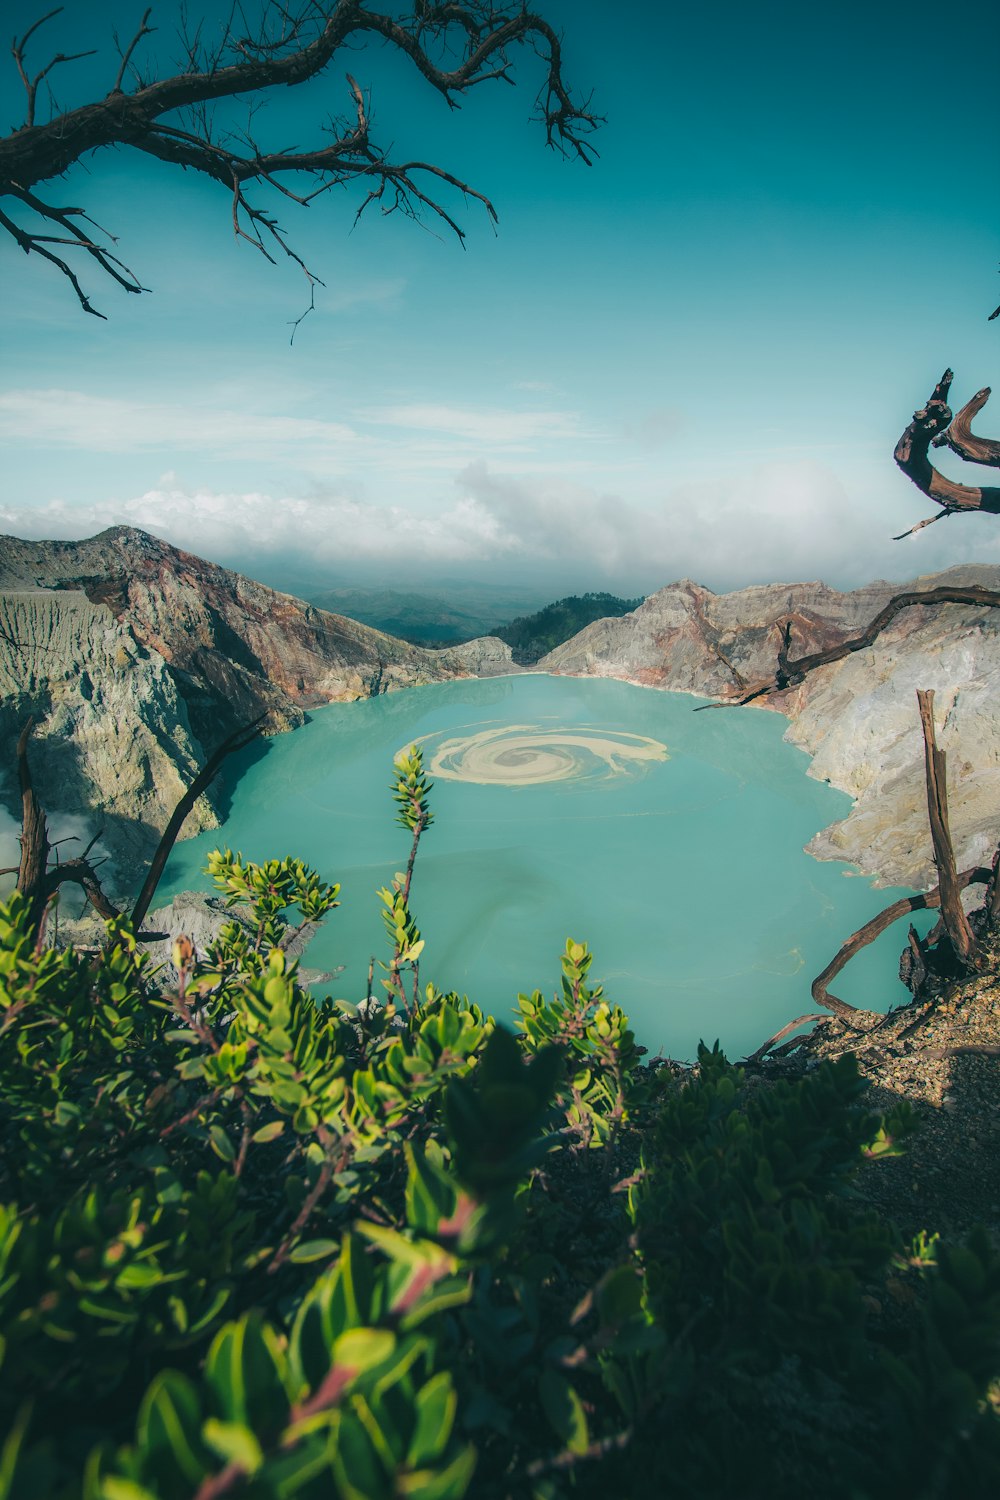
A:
[238,740]
[928,901]
[931,424]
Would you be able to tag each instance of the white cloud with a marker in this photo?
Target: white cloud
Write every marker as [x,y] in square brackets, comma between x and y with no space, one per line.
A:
[231,427]
[782,520]
[106,424]
[487,425]
[237,528]
[788,520]
[383,296]
[657,427]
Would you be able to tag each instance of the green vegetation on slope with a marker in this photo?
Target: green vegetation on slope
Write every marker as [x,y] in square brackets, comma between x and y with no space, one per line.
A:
[260,1246]
[531,636]
[442,616]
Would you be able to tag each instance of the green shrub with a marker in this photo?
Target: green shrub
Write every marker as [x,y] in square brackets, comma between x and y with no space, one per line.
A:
[261,1245]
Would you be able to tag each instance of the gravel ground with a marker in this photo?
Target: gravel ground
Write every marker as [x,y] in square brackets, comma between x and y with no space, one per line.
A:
[948,1180]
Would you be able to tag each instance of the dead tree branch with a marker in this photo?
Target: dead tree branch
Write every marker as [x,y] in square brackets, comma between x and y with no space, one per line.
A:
[34,834]
[144,30]
[764,1049]
[790,673]
[946,895]
[31,84]
[961,439]
[238,740]
[453,48]
[929,901]
[930,425]
[965,1049]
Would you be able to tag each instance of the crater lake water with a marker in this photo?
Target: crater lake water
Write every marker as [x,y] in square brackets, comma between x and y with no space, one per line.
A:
[670,841]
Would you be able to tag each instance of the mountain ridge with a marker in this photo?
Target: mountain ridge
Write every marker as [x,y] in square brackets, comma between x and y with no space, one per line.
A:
[137,658]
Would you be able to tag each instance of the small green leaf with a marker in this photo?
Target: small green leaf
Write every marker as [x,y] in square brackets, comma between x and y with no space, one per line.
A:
[220,1143]
[234,1443]
[619,1295]
[436,1403]
[169,1427]
[363,1348]
[314,1250]
[564,1410]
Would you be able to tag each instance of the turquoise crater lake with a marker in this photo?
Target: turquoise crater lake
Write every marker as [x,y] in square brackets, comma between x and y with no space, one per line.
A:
[670,841]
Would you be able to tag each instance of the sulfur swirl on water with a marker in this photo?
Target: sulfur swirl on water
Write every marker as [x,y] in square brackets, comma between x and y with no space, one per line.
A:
[532,754]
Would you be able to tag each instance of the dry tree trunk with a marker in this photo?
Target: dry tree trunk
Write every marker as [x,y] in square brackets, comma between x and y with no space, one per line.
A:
[956,923]
[39,882]
[872,929]
[32,871]
[964,948]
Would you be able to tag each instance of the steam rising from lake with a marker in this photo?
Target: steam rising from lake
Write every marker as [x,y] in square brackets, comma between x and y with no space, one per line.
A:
[530,755]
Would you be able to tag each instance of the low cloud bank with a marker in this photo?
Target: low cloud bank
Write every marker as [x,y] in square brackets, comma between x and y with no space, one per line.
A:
[786,520]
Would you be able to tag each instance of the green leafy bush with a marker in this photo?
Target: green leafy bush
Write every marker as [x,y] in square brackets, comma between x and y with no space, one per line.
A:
[253,1243]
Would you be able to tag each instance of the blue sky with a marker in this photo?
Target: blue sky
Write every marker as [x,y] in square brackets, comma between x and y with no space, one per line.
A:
[692,358]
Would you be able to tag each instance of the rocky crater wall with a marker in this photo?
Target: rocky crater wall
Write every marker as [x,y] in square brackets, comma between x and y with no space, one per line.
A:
[136,660]
[858,717]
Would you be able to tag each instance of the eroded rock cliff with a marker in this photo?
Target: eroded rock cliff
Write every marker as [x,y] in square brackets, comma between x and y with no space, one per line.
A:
[857,717]
[137,659]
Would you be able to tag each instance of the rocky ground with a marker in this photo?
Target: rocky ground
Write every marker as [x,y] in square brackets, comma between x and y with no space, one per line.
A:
[943,1058]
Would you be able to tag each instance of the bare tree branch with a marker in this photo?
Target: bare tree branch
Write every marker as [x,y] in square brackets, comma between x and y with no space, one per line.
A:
[454,48]
[31,84]
[144,30]
[764,1049]
[39,881]
[34,830]
[36,880]
[929,901]
[238,740]
[790,673]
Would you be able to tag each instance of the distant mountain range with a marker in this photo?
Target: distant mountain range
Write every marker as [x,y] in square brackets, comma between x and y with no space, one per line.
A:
[441,616]
[530,637]
[463,614]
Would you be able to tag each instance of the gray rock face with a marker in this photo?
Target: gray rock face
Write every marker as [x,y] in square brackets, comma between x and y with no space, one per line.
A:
[137,659]
[113,736]
[858,717]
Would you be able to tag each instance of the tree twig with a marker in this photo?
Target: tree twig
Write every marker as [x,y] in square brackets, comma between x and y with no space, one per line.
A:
[238,740]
